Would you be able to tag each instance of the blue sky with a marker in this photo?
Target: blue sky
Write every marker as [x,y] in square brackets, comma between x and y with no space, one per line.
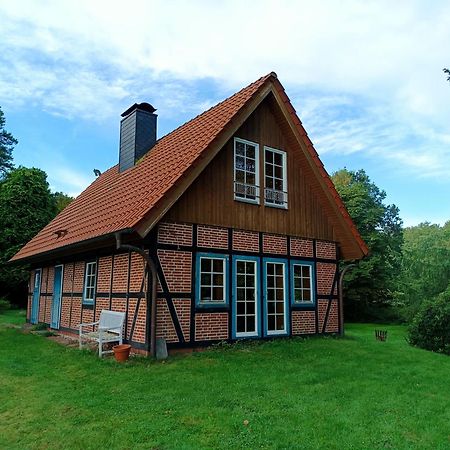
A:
[365,78]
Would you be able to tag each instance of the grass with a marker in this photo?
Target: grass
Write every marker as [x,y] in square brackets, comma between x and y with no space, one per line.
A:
[318,393]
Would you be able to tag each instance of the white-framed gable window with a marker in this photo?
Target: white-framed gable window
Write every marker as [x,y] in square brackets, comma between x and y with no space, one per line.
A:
[275,178]
[246,171]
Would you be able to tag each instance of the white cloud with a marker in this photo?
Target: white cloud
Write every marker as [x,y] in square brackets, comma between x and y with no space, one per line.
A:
[373,69]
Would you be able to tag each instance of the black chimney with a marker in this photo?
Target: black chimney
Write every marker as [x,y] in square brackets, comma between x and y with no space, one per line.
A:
[137,134]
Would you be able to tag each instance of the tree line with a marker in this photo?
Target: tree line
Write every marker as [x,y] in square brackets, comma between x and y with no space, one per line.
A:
[26,206]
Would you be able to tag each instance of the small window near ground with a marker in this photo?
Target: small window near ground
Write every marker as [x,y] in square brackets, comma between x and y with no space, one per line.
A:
[212,280]
[275,178]
[246,171]
[302,281]
[90,283]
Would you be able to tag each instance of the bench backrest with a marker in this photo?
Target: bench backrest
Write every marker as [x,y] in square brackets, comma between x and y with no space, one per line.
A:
[111,319]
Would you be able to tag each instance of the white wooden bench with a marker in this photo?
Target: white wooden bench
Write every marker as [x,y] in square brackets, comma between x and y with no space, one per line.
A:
[108,328]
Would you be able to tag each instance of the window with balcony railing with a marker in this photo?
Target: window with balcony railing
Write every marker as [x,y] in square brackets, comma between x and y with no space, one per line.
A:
[275,178]
[246,171]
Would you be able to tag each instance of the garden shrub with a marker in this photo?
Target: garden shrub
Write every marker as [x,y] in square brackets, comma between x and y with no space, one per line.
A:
[430,328]
[4,305]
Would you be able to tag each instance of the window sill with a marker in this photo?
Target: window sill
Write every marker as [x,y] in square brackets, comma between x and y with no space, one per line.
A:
[272,205]
[246,200]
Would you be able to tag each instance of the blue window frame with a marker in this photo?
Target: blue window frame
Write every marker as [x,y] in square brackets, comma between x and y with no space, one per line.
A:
[276,297]
[246,320]
[302,283]
[211,288]
[90,283]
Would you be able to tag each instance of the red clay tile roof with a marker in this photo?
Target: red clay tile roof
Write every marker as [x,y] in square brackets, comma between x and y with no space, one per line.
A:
[118,201]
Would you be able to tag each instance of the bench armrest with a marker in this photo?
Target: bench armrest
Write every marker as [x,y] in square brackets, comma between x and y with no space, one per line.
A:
[108,328]
[87,324]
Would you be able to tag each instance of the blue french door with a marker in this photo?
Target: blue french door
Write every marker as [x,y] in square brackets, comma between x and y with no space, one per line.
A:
[36,295]
[246,297]
[57,294]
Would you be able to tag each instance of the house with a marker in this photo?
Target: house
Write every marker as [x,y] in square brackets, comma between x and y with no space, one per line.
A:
[232,213]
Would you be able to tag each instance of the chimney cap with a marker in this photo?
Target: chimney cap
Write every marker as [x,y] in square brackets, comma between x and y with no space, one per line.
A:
[142,106]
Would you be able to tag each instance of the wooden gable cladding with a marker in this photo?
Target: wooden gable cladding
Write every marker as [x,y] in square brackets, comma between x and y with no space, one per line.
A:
[210,198]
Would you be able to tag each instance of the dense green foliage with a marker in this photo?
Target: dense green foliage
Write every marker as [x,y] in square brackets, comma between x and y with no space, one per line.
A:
[7,143]
[430,328]
[369,288]
[61,200]
[425,268]
[26,206]
[319,393]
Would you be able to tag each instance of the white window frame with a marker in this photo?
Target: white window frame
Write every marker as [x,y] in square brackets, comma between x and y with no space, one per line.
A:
[311,291]
[257,185]
[285,302]
[244,334]
[285,183]
[89,300]
[212,303]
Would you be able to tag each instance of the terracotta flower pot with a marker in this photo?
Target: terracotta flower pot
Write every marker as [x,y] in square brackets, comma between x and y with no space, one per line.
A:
[122,352]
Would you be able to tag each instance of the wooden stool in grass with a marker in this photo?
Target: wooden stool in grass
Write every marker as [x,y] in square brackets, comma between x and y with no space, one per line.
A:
[380,335]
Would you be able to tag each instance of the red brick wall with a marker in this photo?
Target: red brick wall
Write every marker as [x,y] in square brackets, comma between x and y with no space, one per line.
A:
[175,233]
[164,326]
[78,277]
[247,241]
[212,237]
[120,278]
[176,266]
[76,313]
[333,319]
[137,271]
[65,312]
[303,322]
[302,247]
[322,307]
[273,243]
[211,326]
[183,310]
[140,326]
[104,274]
[325,277]
[325,250]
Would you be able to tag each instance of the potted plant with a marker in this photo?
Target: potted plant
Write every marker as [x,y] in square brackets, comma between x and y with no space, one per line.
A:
[122,352]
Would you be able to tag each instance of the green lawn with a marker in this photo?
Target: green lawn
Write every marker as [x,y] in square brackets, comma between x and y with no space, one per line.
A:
[320,393]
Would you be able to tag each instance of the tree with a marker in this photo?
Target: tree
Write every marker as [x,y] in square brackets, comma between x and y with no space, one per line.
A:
[26,206]
[7,143]
[370,287]
[425,268]
[61,200]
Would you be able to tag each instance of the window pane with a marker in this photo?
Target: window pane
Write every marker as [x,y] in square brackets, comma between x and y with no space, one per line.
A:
[240,266]
[297,295]
[297,283]
[240,163]
[218,294]
[307,295]
[250,151]
[280,294]
[205,265]
[269,156]
[240,294]
[279,282]
[250,281]
[205,279]
[205,294]
[218,280]
[240,176]
[279,269]
[250,308]
[271,323]
[278,185]
[250,324]
[270,307]
[250,294]
[280,322]
[240,280]
[278,159]
[240,308]
[269,170]
[250,165]
[280,307]
[306,283]
[240,148]
[251,179]
[240,324]
[218,265]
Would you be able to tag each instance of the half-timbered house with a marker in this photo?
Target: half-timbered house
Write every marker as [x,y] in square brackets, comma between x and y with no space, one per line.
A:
[232,213]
